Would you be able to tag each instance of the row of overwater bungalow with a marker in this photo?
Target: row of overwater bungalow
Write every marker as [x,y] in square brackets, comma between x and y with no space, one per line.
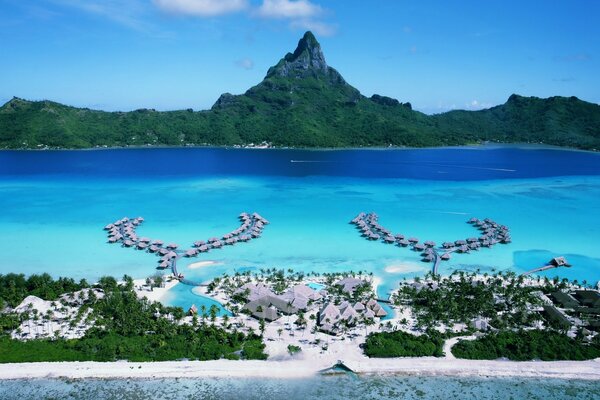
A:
[491,233]
[124,231]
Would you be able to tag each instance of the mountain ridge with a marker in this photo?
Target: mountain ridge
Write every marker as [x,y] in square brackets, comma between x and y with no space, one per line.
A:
[302,102]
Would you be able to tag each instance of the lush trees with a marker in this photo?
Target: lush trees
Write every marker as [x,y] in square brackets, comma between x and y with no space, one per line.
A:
[15,287]
[526,345]
[302,113]
[402,344]
[133,329]
[502,297]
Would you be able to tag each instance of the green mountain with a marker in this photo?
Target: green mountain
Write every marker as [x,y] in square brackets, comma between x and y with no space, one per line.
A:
[302,102]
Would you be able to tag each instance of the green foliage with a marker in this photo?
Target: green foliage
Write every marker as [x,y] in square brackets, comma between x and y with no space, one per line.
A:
[15,287]
[292,349]
[462,297]
[314,111]
[402,344]
[526,345]
[254,350]
[128,328]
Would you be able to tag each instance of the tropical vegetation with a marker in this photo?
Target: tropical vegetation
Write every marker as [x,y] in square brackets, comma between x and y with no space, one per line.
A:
[403,344]
[302,102]
[524,345]
[128,328]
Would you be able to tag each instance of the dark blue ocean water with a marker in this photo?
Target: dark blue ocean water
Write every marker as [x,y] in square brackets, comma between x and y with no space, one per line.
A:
[457,164]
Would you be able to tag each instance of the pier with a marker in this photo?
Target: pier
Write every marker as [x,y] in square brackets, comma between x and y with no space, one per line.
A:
[556,262]
[491,233]
[123,231]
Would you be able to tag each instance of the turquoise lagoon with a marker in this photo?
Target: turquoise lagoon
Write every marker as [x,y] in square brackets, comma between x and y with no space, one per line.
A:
[53,206]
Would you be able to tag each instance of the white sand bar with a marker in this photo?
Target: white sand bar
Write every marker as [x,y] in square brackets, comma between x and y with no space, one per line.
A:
[426,366]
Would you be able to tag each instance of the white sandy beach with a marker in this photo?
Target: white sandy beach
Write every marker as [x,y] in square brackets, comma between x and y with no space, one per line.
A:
[404,268]
[588,370]
[156,293]
[202,264]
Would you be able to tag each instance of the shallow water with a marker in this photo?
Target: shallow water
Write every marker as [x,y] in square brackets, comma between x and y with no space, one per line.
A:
[55,204]
[335,387]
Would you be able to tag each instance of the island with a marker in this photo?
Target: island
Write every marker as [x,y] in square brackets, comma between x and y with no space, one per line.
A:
[302,102]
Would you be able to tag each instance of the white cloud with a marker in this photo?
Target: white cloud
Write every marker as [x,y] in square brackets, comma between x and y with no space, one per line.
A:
[245,63]
[317,27]
[201,8]
[288,9]
[477,105]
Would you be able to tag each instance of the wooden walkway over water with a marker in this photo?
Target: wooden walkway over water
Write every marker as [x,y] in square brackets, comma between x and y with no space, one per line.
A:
[123,231]
[491,233]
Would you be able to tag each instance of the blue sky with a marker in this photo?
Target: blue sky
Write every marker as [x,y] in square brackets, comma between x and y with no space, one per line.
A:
[174,54]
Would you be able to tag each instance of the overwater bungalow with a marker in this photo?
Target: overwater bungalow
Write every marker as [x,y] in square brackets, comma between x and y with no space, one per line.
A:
[158,242]
[112,239]
[474,245]
[389,239]
[428,257]
[460,242]
[191,253]
[413,240]
[463,249]
[419,247]
[445,256]
[447,245]
[172,246]
[429,243]
[109,226]
[153,249]
[128,243]
[142,245]
[559,262]
[163,252]
[403,242]
[164,264]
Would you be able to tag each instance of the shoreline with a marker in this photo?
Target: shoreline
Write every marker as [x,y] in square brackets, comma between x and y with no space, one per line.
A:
[472,146]
[299,369]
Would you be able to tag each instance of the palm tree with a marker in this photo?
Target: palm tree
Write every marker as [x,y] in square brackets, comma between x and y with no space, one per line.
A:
[203,314]
[213,311]
[261,326]
[226,321]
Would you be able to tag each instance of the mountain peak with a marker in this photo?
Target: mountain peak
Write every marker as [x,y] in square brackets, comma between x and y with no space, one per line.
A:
[306,61]
[309,48]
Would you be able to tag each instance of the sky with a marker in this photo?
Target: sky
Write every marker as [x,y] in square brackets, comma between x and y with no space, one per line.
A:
[178,54]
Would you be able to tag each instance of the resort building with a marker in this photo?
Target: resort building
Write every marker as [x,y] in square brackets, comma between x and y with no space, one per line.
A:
[350,284]
[264,304]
